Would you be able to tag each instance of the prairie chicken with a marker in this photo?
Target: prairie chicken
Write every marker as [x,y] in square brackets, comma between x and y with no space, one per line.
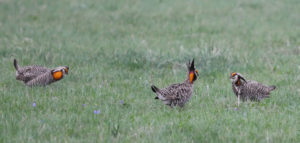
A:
[249,90]
[178,94]
[39,76]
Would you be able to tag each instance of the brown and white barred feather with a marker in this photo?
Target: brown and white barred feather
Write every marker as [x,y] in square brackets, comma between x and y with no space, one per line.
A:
[176,94]
[251,90]
[180,93]
[41,80]
[28,73]
[38,75]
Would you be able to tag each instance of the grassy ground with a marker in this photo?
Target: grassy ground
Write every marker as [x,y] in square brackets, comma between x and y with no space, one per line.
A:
[117,49]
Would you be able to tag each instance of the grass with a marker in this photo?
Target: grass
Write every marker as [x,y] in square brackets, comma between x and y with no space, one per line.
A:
[117,49]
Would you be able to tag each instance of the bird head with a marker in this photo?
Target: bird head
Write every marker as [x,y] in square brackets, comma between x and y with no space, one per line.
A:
[236,77]
[192,72]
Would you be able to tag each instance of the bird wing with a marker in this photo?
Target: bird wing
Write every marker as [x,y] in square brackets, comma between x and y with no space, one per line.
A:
[176,91]
[40,80]
[31,72]
[255,87]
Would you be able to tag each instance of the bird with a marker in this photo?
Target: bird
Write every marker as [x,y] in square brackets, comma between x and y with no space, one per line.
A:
[180,93]
[36,75]
[248,89]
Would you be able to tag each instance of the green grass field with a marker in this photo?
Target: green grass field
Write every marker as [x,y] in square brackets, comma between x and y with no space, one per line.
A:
[117,49]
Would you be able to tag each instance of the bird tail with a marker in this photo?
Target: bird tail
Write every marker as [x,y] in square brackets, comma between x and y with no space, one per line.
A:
[154,88]
[16,65]
[272,87]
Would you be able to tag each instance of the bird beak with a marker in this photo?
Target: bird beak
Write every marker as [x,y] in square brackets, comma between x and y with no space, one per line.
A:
[67,70]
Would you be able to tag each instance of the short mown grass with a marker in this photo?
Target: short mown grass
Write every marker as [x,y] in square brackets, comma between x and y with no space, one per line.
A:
[117,49]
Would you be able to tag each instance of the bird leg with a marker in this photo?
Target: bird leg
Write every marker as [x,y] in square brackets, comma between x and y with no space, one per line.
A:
[238,100]
[239,93]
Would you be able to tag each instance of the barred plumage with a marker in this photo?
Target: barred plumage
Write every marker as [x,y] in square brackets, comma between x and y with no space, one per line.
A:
[39,76]
[249,90]
[178,94]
